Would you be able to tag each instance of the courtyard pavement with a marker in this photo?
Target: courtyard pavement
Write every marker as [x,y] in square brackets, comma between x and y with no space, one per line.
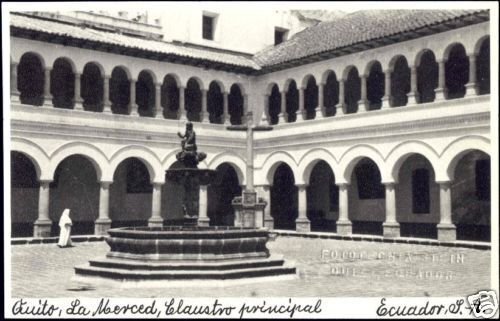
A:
[325,268]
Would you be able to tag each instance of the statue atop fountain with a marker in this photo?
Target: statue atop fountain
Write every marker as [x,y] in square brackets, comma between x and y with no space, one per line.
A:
[189,156]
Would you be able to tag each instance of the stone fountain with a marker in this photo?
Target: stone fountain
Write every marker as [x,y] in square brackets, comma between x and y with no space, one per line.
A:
[159,256]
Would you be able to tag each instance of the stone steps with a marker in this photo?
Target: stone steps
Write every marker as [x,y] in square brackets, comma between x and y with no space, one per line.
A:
[120,274]
[187,266]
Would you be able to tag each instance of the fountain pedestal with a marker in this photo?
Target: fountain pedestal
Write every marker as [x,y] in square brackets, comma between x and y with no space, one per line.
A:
[249,210]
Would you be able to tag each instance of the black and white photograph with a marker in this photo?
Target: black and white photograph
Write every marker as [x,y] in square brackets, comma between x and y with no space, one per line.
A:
[250,159]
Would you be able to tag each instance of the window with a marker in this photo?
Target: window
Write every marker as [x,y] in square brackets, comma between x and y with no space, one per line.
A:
[208,27]
[279,35]
[483,179]
[421,201]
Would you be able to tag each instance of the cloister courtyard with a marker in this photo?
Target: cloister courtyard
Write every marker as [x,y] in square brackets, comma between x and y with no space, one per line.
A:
[325,268]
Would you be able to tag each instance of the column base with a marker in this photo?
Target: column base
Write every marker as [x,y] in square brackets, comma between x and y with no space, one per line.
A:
[344,227]
[15,98]
[203,221]
[42,228]
[183,117]
[101,226]
[440,94]
[106,109]
[282,118]
[159,114]
[155,222]
[302,225]
[269,223]
[391,229]
[320,113]
[78,105]
[299,117]
[339,111]
[447,232]
[47,102]
[471,90]
[363,106]
[386,103]
[412,99]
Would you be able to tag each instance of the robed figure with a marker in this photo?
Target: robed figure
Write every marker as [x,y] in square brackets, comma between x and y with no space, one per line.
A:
[65,229]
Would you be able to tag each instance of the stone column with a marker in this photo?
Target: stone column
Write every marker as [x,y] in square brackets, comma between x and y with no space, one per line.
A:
[471,86]
[264,191]
[204,112]
[47,96]
[446,229]
[302,223]
[133,108]
[156,220]
[340,105]
[363,101]
[386,100]
[158,112]
[103,223]
[14,92]
[391,226]
[344,226]
[301,114]
[43,223]
[78,100]
[106,102]
[283,116]
[265,114]
[203,219]
[413,94]
[441,88]
[320,109]
[245,108]
[182,107]
[225,108]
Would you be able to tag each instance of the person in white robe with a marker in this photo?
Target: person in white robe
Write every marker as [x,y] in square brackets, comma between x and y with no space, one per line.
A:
[65,229]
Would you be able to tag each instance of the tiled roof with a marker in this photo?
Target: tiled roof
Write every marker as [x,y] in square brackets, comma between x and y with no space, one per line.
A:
[105,37]
[357,27]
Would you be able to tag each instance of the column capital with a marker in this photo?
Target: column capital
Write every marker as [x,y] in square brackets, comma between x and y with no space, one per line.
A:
[444,184]
[441,60]
[158,84]
[321,84]
[45,181]
[105,184]
[389,185]
[157,184]
[472,56]
[47,68]
[108,77]
[204,91]
[343,185]
[283,92]
[302,185]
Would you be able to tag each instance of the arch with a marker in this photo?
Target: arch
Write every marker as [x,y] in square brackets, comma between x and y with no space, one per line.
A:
[400,81]
[375,84]
[292,101]
[353,155]
[327,73]
[150,74]
[274,105]
[427,75]
[398,155]
[347,70]
[271,164]
[310,97]
[31,79]
[449,48]
[311,158]
[175,77]
[454,152]
[241,87]
[483,65]
[89,151]
[306,80]
[235,104]
[35,153]
[270,87]
[62,83]
[215,101]
[221,194]
[330,92]
[456,70]
[322,196]
[170,96]
[148,157]
[145,93]
[284,198]
[92,87]
[199,82]
[169,159]
[219,83]
[352,91]
[119,90]
[192,103]
[232,159]
[287,83]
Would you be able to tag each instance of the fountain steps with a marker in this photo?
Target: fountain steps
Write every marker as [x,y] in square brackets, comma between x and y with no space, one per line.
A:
[172,266]
[123,275]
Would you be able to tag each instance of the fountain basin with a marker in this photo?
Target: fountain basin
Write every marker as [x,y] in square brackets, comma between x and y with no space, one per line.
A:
[160,256]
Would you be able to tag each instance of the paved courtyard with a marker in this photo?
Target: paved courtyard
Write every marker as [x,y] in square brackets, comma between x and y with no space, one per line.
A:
[326,268]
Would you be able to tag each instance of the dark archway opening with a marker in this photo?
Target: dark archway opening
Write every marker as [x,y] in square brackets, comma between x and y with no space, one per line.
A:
[483,68]
[193,100]
[311,98]
[292,102]
[24,195]
[367,199]
[284,209]
[235,102]
[331,94]
[145,94]
[170,97]
[427,77]
[30,80]
[400,82]
[75,187]
[92,85]
[274,105]
[471,197]
[172,196]
[375,86]
[130,194]
[322,199]
[220,195]
[352,91]
[119,92]
[215,101]
[62,84]
[457,72]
